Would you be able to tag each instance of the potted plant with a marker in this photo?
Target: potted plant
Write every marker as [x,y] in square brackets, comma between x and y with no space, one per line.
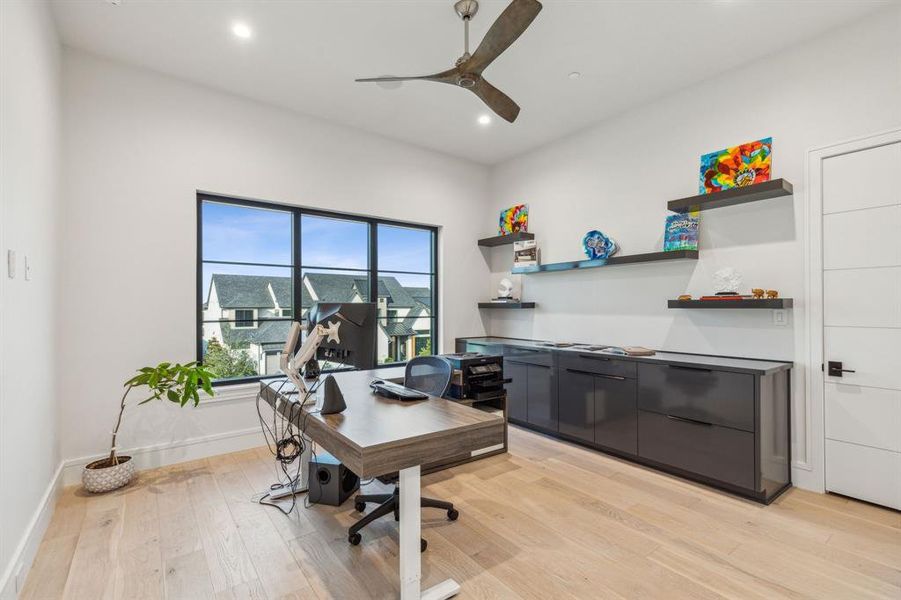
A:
[173,382]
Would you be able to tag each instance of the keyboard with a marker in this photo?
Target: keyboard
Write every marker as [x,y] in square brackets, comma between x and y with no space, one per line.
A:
[392,390]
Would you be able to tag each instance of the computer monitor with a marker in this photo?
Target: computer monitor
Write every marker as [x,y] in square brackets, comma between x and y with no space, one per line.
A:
[357,331]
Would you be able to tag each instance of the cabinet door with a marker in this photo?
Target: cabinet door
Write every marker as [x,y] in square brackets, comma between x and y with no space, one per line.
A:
[575,399]
[517,390]
[541,398]
[616,413]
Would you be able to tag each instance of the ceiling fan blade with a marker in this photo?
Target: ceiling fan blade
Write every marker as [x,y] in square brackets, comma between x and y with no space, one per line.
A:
[496,100]
[449,76]
[503,32]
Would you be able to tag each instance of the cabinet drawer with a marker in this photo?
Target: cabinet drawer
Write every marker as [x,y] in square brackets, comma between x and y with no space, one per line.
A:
[529,355]
[717,397]
[599,365]
[720,453]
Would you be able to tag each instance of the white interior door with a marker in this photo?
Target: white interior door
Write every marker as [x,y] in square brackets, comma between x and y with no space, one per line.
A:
[862,323]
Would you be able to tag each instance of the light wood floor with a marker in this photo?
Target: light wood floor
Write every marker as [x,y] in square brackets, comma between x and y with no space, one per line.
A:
[547,521]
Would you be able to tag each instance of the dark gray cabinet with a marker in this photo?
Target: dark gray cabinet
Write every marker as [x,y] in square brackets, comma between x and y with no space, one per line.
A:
[705,395]
[541,397]
[616,413]
[719,420]
[600,409]
[575,399]
[516,390]
[720,453]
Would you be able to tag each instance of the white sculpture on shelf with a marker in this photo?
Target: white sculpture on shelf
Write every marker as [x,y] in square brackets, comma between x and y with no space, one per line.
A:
[505,290]
[726,281]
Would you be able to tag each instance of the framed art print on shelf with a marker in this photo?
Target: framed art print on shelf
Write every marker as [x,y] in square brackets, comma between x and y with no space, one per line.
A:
[681,232]
[738,166]
[514,220]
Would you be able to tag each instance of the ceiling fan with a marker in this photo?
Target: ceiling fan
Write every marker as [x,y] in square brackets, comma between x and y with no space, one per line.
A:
[467,73]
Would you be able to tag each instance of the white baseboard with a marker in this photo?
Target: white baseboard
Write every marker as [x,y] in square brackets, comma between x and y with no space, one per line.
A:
[69,472]
[170,453]
[26,550]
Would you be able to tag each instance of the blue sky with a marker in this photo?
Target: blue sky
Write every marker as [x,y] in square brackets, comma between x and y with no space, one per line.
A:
[243,234]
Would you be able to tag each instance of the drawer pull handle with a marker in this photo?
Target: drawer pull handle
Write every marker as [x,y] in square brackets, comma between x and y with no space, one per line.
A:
[684,368]
[593,357]
[685,420]
[602,376]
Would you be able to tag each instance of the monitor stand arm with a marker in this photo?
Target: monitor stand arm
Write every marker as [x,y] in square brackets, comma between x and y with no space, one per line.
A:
[292,366]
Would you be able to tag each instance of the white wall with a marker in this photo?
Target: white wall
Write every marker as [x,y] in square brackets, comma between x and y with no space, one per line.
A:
[617,177]
[29,149]
[137,145]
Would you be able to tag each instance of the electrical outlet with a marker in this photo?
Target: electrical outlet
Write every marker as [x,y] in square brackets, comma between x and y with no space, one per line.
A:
[11,264]
[780,318]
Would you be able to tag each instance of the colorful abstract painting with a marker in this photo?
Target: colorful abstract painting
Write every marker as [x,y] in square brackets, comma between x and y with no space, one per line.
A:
[514,220]
[738,166]
[681,232]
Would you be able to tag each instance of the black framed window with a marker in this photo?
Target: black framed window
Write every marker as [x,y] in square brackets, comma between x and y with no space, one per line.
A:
[245,318]
[261,265]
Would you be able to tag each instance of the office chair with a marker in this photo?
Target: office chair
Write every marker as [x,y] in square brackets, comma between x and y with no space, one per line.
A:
[430,375]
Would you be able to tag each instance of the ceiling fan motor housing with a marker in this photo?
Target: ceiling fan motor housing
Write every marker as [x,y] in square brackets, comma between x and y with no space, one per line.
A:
[466,9]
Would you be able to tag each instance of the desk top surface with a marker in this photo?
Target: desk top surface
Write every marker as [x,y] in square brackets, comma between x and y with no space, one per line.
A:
[375,435]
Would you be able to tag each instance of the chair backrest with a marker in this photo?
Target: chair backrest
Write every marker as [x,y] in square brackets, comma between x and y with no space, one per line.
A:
[429,375]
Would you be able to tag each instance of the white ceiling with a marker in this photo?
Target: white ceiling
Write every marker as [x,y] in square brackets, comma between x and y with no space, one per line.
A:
[304,55]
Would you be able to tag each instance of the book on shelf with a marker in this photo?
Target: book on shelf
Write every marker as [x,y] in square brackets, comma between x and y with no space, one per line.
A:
[525,253]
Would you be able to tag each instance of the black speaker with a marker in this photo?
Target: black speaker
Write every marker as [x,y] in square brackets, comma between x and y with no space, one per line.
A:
[330,481]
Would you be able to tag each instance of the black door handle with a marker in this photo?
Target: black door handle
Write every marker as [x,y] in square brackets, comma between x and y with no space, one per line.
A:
[835,369]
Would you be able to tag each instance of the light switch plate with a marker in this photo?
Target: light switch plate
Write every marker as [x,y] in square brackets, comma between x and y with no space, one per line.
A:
[780,318]
[11,264]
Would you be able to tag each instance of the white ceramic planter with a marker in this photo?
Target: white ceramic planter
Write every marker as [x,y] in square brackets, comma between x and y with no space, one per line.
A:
[107,479]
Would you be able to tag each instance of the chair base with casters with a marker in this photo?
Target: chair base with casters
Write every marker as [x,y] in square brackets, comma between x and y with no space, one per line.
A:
[430,375]
[388,504]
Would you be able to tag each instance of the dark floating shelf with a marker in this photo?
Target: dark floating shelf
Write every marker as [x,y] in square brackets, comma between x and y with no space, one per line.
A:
[615,260]
[503,240]
[776,303]
[731,197]
[507,305]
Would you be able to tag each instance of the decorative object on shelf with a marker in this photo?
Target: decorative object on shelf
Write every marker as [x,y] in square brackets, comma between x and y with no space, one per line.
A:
[737,166]
[726,282]
[598,246]
[505,290]
[685,297]
[681,232]
[756,292]
[514,220]
[772,294]
[525,253]
[173,382]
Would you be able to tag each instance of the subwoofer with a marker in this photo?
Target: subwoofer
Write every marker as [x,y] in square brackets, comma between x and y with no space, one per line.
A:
[330,482]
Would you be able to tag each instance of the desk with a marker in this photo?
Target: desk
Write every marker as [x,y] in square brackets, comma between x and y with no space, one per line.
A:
[375,436]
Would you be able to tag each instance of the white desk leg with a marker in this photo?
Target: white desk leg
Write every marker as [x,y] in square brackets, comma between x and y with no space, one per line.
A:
[410,533]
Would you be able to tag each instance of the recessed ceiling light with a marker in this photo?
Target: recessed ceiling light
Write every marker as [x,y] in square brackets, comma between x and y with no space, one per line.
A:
[242,30]
[575,75]
[484,120]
